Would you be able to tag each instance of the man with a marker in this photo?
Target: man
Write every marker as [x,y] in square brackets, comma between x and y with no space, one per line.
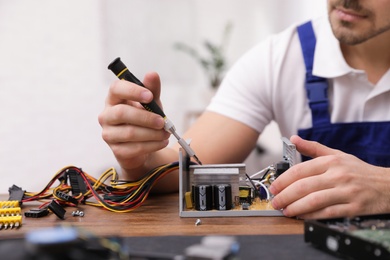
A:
[337,96]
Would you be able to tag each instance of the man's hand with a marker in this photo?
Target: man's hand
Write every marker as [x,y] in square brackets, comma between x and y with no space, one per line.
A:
[132,132]
[332,184]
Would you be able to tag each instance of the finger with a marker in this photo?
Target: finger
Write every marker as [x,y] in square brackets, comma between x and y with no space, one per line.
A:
[122,91]
[297,172]
[312,149]
[313,202]
[305,169]
[128,133]
[133,149]
[333,211]
[300,189]
[125,114]
[132,154]
[153,83]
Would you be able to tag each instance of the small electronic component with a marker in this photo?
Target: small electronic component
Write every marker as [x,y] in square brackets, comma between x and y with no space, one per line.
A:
[222,196]
[245,194]
[245,206]
[10,215]
[203,197]
[188,198]
[281,167]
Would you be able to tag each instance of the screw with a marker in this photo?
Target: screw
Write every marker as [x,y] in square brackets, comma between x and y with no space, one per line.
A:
[198,222]
[78,213]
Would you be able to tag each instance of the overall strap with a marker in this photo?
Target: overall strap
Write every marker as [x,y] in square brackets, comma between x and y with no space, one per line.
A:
[316,87]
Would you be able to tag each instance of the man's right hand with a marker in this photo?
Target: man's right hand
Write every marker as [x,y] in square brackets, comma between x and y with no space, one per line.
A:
[132,132]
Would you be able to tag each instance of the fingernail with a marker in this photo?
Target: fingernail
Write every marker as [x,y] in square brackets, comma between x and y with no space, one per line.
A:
[146,96]
[272,189]
[274,204]
[160,122]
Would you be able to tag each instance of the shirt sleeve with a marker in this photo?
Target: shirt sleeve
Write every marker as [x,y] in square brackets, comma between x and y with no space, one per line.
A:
[245,93]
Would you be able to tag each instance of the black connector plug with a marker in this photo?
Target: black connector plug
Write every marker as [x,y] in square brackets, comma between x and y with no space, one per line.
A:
[66,197]
[57,209]
[281,167]
[16,193]
[76,182]
[36,213]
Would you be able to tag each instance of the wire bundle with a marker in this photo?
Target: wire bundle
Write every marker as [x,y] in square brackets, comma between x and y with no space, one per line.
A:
[262,183]
[117,196]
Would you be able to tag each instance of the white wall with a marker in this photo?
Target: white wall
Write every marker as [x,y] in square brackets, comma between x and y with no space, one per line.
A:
[51,90]
[54,77]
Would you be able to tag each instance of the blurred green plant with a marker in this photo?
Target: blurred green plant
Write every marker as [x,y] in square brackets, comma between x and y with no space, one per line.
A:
[214,62]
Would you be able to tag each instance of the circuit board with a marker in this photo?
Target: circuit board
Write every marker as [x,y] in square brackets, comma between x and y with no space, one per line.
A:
[214,175]
[218,190]
[257,208]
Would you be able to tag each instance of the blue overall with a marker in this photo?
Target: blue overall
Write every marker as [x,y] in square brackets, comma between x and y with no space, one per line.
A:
[369,141]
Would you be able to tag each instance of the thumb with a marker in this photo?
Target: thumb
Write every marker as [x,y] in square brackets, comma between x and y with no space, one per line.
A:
[311,148]
[153,83]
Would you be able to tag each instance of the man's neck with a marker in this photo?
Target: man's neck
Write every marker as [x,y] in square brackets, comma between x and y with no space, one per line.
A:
[372,56]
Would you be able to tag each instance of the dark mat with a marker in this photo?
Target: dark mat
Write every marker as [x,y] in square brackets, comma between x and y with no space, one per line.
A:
[251,247]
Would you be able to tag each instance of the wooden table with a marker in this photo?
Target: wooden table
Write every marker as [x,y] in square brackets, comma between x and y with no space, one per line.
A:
[159,216]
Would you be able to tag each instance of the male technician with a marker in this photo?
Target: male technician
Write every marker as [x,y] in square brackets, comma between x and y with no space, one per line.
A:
[336,95]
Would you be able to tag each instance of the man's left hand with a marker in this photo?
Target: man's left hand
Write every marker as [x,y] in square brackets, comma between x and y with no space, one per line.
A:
[332,184]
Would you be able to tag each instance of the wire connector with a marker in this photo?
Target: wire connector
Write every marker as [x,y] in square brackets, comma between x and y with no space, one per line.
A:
[10,222]
[36,213]
[57,209]
[10,214]
[66,197]
[16,193]
[76,182]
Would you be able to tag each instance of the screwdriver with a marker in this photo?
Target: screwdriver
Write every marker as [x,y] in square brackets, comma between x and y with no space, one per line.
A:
[122,72]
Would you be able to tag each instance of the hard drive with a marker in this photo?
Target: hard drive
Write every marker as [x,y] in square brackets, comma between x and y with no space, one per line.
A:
[362,237]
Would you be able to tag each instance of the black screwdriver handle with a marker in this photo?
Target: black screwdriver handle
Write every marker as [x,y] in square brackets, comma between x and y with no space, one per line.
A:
[122,72]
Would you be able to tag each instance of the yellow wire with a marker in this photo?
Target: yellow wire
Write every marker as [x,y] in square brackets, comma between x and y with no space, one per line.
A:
[97,183]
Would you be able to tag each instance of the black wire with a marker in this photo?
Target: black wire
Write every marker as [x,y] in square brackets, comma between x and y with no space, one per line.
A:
[254,186]
[265,174]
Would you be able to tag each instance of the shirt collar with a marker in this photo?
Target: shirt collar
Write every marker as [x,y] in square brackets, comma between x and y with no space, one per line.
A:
[329,61]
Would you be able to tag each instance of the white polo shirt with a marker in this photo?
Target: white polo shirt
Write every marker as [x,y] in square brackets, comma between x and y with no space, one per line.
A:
[267,84]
